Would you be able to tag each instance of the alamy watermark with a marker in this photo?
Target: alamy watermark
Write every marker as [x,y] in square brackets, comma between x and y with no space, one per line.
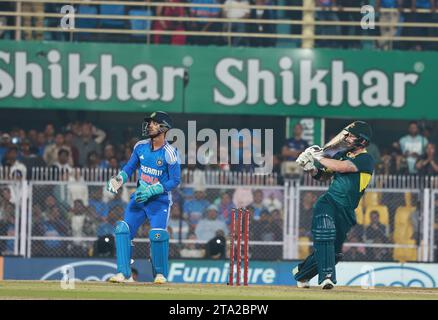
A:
[368,279]
[253,147]
[369,19]
[68,278]
[68,20]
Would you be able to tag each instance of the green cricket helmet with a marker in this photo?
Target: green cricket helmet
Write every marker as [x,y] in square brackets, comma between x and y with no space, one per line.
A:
[362,131]
[160,117]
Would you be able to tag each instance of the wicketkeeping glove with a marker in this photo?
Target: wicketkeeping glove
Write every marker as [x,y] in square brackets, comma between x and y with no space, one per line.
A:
[145,191]
[116,182]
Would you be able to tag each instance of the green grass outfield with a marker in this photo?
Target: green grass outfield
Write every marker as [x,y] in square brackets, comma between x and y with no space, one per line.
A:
[101,290]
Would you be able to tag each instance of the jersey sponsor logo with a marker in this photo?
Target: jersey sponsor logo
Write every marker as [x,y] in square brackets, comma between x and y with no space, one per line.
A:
[148,179]
[152,171]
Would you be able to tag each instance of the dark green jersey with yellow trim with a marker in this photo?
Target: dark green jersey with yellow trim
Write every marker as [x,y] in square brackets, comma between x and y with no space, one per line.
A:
[347,188]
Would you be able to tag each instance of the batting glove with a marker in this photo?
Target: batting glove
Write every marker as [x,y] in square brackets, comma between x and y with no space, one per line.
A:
[116,182]
[316,152]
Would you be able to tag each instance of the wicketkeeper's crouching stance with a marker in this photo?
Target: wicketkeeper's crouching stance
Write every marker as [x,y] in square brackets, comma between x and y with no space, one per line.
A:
[333,214]
[159,173]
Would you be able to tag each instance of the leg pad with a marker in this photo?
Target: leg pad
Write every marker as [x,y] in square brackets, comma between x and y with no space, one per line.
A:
[159,251]
[123,248]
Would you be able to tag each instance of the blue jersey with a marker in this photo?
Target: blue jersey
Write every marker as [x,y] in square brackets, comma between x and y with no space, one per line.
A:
[161,165]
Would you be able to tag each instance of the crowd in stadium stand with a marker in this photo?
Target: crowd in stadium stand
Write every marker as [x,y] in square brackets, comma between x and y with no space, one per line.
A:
[80,210]
[329,10]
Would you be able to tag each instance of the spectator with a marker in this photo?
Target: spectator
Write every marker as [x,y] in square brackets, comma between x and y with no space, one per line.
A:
[294,146]
[55,226]
[37,220]
[205,26]
[32,135]
[93,160]
[41,143]
[428,163]
[412,146]
[75,189]
[30,158]
[62,169]
[216,247]
[257,204]
[5,143]
[352,16]
[106,227]
[194,209]
[116,201]
[51,151]
[326,13]
[167,25]
[206,228]
[236,9]
[7,228]
[69,142]
[33,21]
[114,164]
[49,133]
[225,207]
[373,150]
[354,253]
[379,253]
[417,17]
[260,28]
[375,229]
[7,20]
[265,228]
[393,16]
[306,213]
[17,169]
[272,203]
[95,201]
[108,154]
[86,144]
[83,223]
[192,250]
[180,228]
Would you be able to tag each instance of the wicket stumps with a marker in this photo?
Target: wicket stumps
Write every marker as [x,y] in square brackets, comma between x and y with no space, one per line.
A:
[236,230]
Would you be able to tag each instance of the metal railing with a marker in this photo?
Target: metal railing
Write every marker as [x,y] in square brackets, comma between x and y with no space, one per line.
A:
[308,35]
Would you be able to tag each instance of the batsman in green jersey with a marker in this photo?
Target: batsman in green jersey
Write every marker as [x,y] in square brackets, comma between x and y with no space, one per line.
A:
[333,213]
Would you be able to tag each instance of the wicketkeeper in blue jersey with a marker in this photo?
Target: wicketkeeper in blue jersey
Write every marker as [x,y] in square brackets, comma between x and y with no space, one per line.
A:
[158,165]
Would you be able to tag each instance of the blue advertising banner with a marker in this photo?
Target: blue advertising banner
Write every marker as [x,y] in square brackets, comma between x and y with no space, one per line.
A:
[363,274]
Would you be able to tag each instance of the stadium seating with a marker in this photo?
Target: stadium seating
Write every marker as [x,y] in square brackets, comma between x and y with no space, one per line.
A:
[371,203]
[404,231]
[86,23]
[140,24]
[106,9]
[303,249]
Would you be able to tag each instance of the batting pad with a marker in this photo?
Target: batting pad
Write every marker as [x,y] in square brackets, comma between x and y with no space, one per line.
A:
[123,249]
[159,251]
[324,235]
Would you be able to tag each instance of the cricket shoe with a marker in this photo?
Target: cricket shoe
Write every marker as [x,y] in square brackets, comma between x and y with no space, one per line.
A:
[300,284]
[120,278]
[160,279]
[327,284]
